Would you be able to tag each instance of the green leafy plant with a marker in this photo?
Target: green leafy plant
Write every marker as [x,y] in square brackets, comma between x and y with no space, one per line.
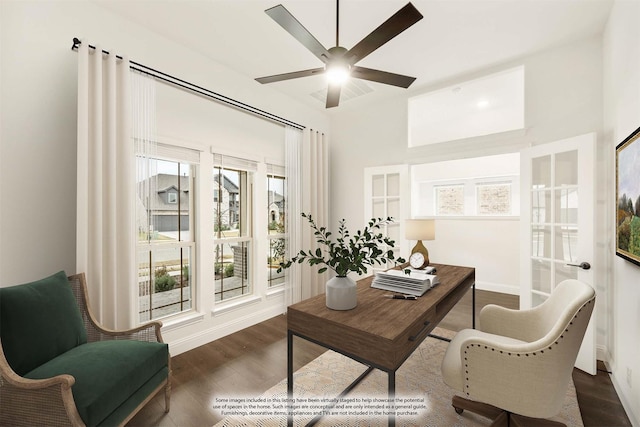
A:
[164,281]
[228,270]
[349,252]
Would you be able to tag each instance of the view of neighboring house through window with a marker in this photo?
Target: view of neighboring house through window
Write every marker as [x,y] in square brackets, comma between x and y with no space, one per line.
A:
[232,210]
[276,210]
[165,248]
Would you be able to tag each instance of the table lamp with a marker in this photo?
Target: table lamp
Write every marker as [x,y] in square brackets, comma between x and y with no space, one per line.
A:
[420,229]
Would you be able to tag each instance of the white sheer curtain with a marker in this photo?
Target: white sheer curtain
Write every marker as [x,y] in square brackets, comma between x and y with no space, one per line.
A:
[307,169]
[293,158]
[143,125]
[315,200]
[105,234]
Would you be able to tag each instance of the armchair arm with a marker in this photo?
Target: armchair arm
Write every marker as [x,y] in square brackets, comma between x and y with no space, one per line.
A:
[27,402]
[526,378]
[149,332]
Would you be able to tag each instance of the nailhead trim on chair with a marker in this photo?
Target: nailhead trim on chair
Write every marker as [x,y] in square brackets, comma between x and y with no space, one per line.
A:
[466,365]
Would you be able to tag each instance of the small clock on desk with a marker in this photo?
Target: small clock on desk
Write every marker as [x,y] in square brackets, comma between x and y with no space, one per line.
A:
[418,261]
[419,230]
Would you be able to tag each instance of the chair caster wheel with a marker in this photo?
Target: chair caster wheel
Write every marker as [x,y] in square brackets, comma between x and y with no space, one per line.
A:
[458,410]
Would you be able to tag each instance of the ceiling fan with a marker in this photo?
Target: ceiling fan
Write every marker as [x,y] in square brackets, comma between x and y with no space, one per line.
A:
[340,62]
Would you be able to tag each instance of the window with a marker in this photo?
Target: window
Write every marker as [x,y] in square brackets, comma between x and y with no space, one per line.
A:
[233,218]
[449,199]
[481,186]
[276,211]
[165,247]
[471,197]
[493,198]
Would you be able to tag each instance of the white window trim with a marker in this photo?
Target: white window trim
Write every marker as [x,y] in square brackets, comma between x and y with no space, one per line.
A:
[181,320]
[203,295]
[235,303]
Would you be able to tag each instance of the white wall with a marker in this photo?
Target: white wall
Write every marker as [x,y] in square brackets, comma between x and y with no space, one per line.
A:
[38,77]
[563,99]
[621,117]
[487,243]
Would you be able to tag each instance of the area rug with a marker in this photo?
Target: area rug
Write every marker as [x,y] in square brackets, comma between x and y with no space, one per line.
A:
[422,398]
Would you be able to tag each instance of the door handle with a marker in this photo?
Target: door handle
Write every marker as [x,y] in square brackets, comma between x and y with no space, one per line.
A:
[582,265]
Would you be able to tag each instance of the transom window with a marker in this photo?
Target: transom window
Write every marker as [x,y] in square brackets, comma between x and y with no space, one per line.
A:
[449,199]
[493,198]
[480,186]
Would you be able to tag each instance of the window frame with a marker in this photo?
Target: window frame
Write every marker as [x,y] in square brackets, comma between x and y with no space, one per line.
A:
[245,239]
[276,236]
[145,249]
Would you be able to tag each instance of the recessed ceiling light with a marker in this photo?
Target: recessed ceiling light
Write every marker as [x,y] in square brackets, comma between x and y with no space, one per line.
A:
[483,103]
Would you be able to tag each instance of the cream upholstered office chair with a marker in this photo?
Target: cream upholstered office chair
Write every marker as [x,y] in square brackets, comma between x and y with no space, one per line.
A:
[517,366]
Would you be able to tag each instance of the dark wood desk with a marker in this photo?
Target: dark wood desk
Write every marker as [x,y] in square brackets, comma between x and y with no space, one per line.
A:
[380,332]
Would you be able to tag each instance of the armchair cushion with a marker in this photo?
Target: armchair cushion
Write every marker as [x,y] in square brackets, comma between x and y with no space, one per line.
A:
[39,321]
[107,373]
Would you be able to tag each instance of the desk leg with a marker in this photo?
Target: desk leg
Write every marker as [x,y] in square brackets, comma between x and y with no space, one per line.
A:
[289,378]
[392,397]
[473,305]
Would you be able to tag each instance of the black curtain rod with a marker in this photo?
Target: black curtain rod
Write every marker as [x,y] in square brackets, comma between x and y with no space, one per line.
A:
[197,89]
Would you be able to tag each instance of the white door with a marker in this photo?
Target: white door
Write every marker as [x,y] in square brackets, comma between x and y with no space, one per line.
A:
[386,195]
[557,207]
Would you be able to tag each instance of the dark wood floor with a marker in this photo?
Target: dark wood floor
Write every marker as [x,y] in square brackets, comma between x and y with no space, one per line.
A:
[253,360]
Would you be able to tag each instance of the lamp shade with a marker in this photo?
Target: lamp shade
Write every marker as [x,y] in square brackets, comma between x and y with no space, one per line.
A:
[420,229]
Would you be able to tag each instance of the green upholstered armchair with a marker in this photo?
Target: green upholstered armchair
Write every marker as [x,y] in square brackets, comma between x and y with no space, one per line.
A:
[59,367]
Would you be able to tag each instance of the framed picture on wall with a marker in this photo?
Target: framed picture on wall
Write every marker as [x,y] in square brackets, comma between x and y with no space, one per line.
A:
[628,198]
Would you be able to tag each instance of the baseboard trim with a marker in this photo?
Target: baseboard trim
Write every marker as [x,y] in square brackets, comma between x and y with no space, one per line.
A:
[498,287]
[602,353]
[628,407]
[199,338]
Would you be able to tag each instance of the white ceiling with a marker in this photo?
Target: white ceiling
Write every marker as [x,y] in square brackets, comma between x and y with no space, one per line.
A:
[455,37]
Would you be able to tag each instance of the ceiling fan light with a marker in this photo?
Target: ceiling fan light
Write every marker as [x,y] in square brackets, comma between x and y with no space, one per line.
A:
[338,73]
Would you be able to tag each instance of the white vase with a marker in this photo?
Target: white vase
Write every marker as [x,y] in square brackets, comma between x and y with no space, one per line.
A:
[341,293]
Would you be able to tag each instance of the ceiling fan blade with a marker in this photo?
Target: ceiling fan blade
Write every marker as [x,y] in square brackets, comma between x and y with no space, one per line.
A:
[382,77]
[400,21]
[333,95]
[289,76]
[287,21]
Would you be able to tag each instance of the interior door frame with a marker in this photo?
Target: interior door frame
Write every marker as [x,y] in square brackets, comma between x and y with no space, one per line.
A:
[585,145]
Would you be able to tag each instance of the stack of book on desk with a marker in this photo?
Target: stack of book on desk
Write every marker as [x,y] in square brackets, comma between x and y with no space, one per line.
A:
[416,283]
